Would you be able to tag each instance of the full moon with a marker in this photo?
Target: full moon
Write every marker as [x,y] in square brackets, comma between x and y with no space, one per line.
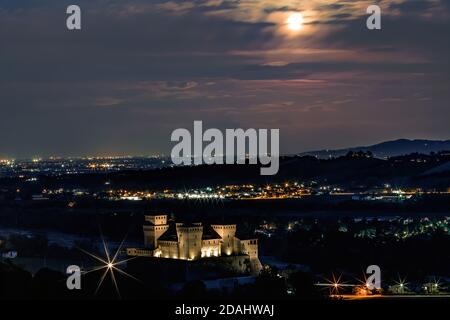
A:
[295,21]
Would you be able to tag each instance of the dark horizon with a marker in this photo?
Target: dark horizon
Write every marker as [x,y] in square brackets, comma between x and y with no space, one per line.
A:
[149,155]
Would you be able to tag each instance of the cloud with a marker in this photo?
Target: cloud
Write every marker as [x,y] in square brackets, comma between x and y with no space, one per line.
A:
[138,69]
[107,101]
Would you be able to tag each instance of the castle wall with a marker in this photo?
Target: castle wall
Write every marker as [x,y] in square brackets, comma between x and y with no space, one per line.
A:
[169,249]
[136,252]
[211,248]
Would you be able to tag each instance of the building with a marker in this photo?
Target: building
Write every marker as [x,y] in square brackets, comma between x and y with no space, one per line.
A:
[193,241]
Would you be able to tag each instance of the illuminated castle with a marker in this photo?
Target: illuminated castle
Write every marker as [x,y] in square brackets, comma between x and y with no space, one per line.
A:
[192,241]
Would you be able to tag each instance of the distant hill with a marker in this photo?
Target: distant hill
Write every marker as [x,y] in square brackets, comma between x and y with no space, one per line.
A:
[388,149]
[410,164]
[354,172]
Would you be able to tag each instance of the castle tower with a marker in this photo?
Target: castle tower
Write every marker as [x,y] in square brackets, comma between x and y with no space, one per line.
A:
[227,233]
[154,228]
[190,240]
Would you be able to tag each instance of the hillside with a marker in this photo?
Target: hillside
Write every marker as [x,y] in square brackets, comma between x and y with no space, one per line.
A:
[388,149]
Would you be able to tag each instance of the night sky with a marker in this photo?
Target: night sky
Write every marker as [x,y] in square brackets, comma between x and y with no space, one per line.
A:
[139,69]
